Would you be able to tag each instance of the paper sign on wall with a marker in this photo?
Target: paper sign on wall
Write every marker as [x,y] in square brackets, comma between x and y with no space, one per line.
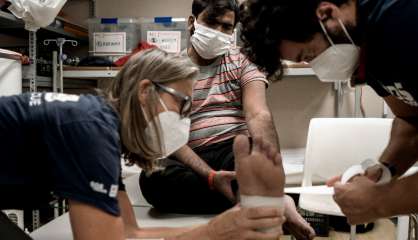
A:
[169,41]
[106,42]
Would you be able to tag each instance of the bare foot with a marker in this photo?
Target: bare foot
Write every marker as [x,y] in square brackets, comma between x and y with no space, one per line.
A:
[295,224]
[259,171]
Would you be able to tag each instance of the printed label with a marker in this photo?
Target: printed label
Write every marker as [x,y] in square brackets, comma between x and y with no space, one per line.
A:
[109,42]
[169,41]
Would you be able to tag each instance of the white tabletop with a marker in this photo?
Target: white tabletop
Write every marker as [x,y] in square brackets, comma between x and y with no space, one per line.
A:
[60,229]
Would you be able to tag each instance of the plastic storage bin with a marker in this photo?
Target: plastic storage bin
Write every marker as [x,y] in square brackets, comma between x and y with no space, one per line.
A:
[169,34]
[113,36]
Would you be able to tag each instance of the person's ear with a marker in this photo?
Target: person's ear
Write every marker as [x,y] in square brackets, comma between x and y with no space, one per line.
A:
[144,90]
[190,24]
[327,10]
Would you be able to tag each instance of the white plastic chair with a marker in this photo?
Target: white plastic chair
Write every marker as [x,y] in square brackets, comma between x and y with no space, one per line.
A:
[335,144]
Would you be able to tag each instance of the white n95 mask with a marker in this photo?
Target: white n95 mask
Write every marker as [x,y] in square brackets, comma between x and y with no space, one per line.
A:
[209,43]
[36,13]
[174,131]
[338,62]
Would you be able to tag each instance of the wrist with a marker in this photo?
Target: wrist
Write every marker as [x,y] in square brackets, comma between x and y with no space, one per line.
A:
[384,200]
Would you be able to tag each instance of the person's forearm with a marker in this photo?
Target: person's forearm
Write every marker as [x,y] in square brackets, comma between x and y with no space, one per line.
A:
[187,156]
[400,198]
[200,233]
[133,231]
[168,233]
[402,151]
[261,124]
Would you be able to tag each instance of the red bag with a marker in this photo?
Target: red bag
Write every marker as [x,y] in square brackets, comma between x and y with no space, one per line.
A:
[141,47]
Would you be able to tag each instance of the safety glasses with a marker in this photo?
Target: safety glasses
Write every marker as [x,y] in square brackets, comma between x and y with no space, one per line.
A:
[186,101]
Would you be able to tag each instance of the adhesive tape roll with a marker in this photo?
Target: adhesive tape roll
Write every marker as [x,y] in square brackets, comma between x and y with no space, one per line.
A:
[361,170]
[386,175]
[351,172]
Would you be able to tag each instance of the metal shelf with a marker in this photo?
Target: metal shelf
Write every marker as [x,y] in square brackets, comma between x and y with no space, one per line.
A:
[90,74]
[46,82]
[8,21]
[41,81]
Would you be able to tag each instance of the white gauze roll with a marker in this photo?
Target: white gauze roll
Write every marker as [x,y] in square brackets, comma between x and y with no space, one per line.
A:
[262,201]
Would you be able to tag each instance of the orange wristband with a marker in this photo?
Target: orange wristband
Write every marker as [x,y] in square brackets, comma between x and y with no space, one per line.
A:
[211,179]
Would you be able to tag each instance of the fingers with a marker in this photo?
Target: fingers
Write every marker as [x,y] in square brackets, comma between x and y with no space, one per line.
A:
[241,148]
[374,173]
[266,223]
[331,182]
[231,175]
[300,230]
[262,212]
[272,234]
[338,186]
[338,190]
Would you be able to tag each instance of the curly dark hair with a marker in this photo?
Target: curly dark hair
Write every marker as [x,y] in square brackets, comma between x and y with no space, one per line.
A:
[216,8]
[265,23]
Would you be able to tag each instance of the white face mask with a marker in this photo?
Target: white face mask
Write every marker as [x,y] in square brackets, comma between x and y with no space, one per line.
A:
[174,131]
[338,62]
[209,43]
[36,13]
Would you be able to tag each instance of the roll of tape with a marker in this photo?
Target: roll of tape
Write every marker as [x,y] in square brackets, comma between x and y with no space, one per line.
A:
[361,170]
[386,175]
[352,172]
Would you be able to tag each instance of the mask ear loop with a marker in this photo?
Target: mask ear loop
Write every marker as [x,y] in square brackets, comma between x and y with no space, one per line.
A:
[162,142]
[162,103]
[349,38]
[145,114]
[345,31]
[326,33]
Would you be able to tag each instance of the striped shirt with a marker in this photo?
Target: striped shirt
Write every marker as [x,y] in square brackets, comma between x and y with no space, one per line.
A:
[217,110]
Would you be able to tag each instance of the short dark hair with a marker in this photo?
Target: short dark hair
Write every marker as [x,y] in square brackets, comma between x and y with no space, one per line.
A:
[265,23]
[216,8]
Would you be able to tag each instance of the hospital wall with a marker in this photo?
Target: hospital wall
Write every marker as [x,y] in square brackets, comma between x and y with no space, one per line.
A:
[294,101]
[143,8]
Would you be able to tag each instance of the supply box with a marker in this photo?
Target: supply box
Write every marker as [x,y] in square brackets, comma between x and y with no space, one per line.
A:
[167,33]
[112,37]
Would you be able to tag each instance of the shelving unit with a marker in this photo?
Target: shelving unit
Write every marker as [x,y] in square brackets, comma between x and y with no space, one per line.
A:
[15,27]
[90,73]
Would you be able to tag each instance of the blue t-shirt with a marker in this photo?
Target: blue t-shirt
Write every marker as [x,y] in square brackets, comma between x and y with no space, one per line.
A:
[391,47]
[65,144]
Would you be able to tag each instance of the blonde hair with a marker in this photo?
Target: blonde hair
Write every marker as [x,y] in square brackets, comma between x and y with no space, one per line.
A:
[157,66]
